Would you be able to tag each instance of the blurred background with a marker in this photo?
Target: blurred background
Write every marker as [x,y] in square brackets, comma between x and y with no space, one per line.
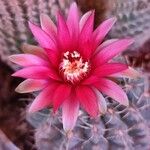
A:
[16,129]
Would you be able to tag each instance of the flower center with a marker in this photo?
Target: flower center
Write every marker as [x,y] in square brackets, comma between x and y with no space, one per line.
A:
[73,67]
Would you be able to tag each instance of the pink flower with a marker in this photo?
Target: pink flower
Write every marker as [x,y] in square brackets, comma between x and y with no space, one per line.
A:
[72,66]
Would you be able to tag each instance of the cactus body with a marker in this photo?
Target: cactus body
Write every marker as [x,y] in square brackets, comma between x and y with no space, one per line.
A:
[121,128]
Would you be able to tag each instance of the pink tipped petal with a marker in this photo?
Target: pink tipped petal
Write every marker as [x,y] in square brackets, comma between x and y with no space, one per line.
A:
[111,51]
[111,89]
[48,26]
[31,85]
[60,95]
[102,30]
[36,72]
[35,50]
[44,99]
[88,100]
[84,19]
[63,33]
[42,37]
[70,111]
[101,102]
[73,20]
[128,73]
[85,43]
[28,60]
[87,29]
[105,44]
[108,69]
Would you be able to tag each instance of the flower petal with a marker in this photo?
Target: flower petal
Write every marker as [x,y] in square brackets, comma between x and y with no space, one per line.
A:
[102,30]
[27,60]
[105,44]
[63,33]
[111,89]
[87,29]
[84,19]
[35,50]
[60,95]
[128,73]
[85,42]
[48,26]
[90,80]
[31,85]
[73,20]
[111,51]
[54,57]
[86,49]
[108,69]
[42,37]
[87,99]
[70,111]
[101,102]
[36,72]
[44,99]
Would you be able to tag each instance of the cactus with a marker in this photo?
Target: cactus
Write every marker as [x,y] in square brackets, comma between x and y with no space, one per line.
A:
[120,128]
[142,58]
[13,125]
[133,18]
[13,23]
[14,30]
[133,21]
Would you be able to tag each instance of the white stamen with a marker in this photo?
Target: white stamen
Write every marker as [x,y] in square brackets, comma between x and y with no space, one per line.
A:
[73,67]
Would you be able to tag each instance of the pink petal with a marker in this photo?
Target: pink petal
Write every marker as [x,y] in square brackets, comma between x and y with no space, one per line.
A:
[42,37]
[102,30]
[85,42]
[128,73]
[90,80]
[101,102]
[88,100]
[86,49]
[70,111]
[48,26]
[44,99]
[73,20]
[84,19]
[87,29]
[108,69]
[63,33]
[36,72]
[31,85]
[113,90]
[54,57]
[111,51]
[28,60]
[35,50]
[60,95]
[105,44]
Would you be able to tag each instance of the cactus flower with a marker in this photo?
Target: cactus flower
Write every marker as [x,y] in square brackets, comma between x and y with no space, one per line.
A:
[72,65]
